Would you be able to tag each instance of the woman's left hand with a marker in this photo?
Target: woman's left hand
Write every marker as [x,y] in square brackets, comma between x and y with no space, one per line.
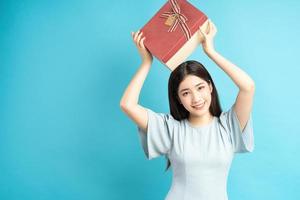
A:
[207,37]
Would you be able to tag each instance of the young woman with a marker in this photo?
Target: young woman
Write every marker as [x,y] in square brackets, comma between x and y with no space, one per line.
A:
[197,138]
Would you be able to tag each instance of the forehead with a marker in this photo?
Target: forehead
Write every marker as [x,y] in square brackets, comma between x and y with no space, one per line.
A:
[190,81]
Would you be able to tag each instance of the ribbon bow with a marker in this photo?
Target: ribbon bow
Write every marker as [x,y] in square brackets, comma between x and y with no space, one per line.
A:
[179,18]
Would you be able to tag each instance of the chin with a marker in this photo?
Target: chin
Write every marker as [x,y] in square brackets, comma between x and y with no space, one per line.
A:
[200,113]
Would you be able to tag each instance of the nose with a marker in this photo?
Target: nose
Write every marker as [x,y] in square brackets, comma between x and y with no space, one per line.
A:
[196,98]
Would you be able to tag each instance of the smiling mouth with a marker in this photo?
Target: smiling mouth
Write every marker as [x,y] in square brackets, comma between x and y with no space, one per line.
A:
[199,106]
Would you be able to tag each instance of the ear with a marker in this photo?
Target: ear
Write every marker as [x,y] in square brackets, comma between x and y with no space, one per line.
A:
[210,87]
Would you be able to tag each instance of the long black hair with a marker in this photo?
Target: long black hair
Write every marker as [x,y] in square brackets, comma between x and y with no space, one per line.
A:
[190,67]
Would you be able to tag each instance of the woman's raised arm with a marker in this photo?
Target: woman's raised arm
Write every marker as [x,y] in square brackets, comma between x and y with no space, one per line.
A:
[129,101]
[244,99]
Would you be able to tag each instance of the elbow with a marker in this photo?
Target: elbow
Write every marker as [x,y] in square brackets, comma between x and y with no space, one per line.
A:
[125,106]
[250,87]
[123,102]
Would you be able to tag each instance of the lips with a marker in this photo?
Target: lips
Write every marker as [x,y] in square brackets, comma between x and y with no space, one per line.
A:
[199,105]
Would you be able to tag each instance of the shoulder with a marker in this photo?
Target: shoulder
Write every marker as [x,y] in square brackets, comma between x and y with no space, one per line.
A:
[163,118]
[225,116]
[166,116]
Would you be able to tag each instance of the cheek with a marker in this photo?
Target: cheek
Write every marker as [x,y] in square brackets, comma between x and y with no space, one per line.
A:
[207,96]
[185,101]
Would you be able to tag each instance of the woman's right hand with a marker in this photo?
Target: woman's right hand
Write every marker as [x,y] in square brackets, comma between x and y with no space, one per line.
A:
[143,51]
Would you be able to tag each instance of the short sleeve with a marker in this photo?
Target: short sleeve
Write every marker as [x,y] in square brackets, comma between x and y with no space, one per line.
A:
[157,139]
[242,141]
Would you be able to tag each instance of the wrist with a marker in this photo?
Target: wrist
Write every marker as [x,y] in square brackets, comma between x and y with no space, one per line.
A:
[210,52]
[146,63]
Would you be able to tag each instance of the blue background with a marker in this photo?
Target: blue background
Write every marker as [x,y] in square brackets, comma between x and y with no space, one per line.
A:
[64,66]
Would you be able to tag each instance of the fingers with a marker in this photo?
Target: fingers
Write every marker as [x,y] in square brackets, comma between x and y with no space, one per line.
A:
[201,32]
[209,30]
[208,27]
[212,26]
[142,42]
[136,35]
[138,39]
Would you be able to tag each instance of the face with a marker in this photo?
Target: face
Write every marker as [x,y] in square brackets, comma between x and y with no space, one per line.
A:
[195,95]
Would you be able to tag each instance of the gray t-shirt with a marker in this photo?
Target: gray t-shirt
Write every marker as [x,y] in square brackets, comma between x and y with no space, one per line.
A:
[200,156]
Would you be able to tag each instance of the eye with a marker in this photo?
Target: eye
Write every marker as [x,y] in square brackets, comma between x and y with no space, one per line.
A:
[201,87]
[184,94]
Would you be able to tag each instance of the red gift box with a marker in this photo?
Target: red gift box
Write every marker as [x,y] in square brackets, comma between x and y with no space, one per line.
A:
[172,33]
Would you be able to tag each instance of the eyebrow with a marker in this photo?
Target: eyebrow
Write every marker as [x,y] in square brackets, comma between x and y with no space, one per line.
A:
[188,88]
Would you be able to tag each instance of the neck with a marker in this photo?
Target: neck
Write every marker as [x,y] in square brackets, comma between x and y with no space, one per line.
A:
[200,120]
